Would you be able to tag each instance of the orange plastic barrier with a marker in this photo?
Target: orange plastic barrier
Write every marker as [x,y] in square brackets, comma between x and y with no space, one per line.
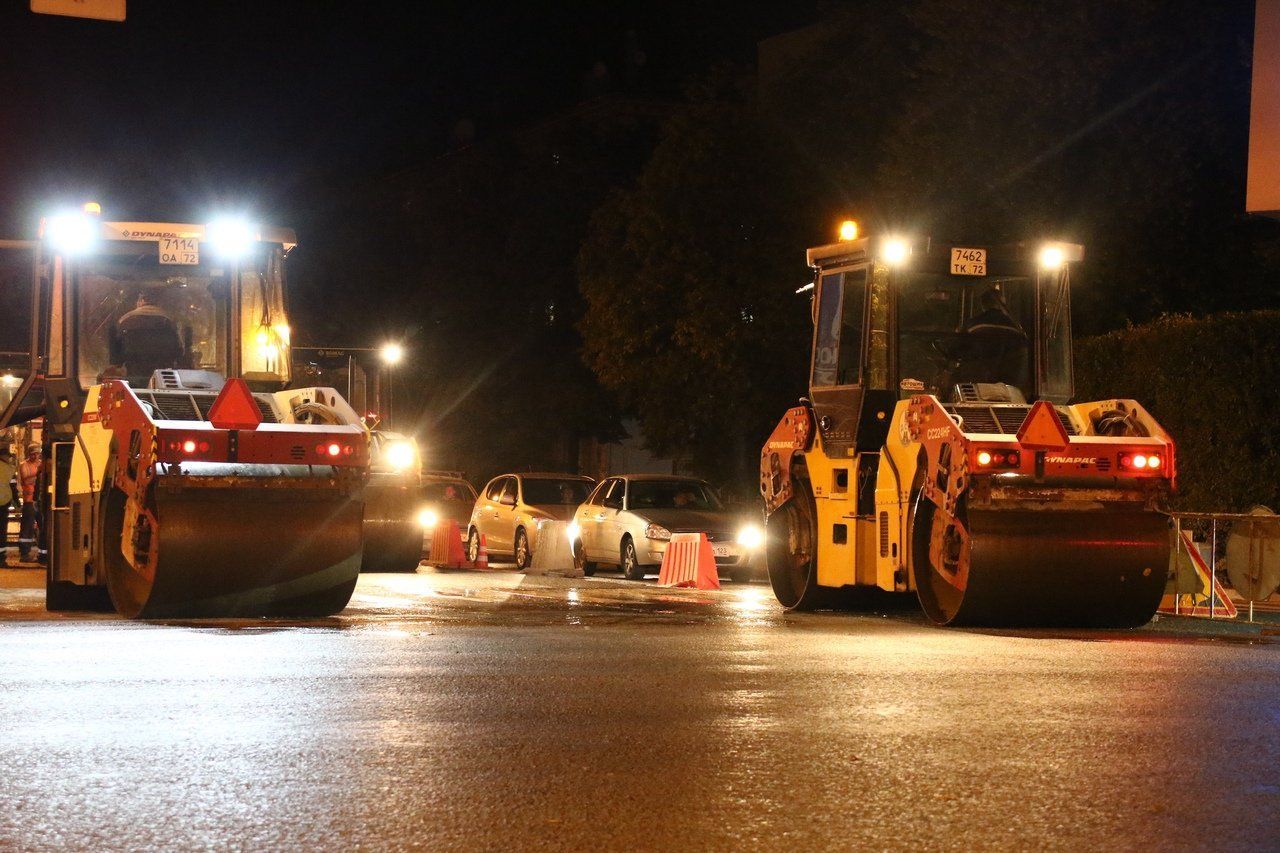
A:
[446,547]
[689,562]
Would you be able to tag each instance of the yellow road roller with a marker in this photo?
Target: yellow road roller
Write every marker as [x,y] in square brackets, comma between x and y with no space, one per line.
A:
[183,477]
[939,452]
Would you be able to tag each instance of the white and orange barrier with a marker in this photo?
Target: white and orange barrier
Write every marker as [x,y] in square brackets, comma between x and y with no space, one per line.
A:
[689,562]
[552,554]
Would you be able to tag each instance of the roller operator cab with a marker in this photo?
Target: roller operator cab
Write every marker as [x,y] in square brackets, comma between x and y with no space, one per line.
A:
[183,477]
[938,450]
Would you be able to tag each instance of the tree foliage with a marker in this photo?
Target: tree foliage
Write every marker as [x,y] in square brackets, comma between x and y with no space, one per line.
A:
[689,281]
[1208,382]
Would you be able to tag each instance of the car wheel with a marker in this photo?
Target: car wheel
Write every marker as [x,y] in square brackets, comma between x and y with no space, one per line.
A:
[473,545]
[630,562]
[580,561]
[522,553]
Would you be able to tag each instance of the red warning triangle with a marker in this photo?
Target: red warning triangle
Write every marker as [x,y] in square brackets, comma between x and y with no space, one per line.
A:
[1042,429]
[235,407]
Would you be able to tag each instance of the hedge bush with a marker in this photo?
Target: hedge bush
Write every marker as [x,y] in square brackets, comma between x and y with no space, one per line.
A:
[1214,384]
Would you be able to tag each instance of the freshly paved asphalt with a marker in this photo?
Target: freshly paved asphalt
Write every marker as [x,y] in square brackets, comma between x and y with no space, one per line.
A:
[496,711]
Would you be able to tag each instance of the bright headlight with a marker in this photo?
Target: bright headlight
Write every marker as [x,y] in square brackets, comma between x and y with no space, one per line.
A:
[750,536]
[229,238]
[573,531]
[894,251]
[400,455]
[427,518]
[70,233]
[657,531]
[1051,257]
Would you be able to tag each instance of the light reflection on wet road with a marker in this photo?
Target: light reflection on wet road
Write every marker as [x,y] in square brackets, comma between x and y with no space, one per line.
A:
[484,711]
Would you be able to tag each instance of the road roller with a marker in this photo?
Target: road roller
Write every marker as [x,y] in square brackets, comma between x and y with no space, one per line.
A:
[939,451]
[183,477]
[394,503]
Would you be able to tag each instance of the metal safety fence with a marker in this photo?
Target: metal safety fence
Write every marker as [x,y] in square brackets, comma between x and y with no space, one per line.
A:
[1225,565]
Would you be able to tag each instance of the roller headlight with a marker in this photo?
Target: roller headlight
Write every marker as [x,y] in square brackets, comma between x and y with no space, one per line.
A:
[657,531]
[401,455]
[750,536]
[230,238]
[428,518]
[71,233]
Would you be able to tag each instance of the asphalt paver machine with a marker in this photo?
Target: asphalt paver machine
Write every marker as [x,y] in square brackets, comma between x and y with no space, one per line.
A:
[182,477]
[938,450]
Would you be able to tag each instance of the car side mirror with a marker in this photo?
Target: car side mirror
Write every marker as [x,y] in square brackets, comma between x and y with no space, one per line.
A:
[507,500]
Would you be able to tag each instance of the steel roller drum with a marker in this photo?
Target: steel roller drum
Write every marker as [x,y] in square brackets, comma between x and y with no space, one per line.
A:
[241,546]
[1056,568]
[1253,555]
[392,534]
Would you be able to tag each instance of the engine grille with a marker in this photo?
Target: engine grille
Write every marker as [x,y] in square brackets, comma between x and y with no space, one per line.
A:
[999,419]
[712,535]
[189,406]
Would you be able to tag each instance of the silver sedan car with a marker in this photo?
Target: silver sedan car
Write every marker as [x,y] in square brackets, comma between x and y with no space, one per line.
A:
[628,520]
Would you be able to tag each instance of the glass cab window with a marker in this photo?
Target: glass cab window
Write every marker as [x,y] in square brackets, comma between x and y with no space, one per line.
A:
[837,352]
[135,315]
[954,332]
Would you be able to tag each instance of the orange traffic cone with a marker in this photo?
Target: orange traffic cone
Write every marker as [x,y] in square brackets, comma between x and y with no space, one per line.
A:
[482,554]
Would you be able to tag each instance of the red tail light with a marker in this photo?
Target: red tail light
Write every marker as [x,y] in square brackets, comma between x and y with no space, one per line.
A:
[1141,461]
[998,458]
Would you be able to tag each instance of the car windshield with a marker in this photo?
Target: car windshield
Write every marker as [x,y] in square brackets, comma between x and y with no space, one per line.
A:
[671,494]
[572,492]
[955,332]
[445,491]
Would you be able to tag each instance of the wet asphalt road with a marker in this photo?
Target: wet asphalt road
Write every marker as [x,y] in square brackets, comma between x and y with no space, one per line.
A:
[496,712]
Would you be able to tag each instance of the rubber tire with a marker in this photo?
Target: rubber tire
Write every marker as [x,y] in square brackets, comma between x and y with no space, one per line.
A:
[587,567]
[522,564]
[630,568]
[473,545]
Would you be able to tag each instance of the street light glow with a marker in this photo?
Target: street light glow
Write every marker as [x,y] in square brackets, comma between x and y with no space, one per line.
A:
[392,353]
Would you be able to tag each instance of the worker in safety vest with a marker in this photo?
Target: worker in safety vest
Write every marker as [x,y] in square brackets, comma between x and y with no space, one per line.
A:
[28,475]
[7,472]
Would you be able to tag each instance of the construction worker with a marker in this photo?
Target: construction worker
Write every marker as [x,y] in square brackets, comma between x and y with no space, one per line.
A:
[28,475]
[993,346]
[148,338]
[7,472]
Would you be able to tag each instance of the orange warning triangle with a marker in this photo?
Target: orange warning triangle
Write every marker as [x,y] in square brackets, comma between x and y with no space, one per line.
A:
[1042,429]
[235,407]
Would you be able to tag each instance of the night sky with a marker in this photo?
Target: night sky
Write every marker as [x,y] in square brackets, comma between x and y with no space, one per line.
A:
[271,107]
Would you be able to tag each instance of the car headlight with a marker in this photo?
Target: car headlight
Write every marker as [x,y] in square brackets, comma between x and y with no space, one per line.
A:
[657,531]
[750,536]
[428,518]
[573,531]
[401,455]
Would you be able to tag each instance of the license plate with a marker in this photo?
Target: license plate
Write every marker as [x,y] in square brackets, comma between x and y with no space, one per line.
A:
[179,250]
[721,550]
[968,261]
